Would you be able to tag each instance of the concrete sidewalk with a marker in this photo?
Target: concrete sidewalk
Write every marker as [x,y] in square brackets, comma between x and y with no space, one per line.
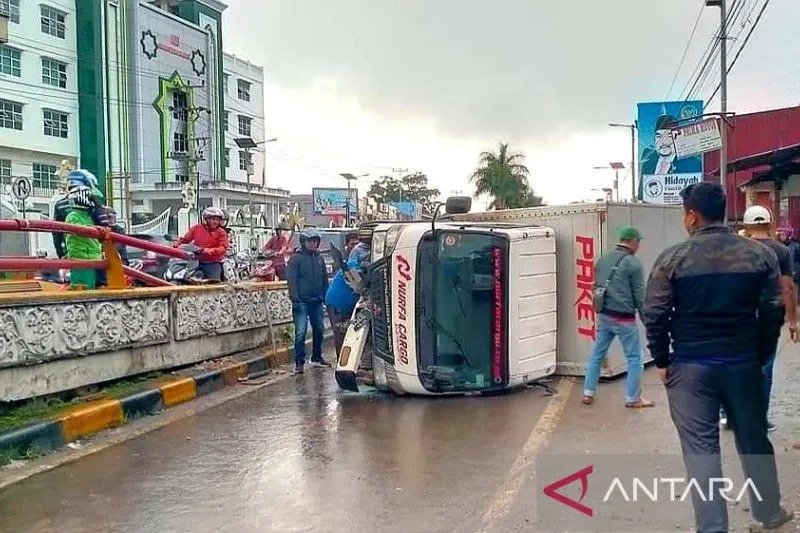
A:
[609,436]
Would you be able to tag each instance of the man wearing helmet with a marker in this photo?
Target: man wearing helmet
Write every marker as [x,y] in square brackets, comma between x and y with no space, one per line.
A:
[79,247]
[213,239]
[307,279]
[76,179]
[278,247]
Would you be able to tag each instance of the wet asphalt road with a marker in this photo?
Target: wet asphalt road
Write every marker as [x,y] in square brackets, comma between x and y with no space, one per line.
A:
[300,455]
[296,456]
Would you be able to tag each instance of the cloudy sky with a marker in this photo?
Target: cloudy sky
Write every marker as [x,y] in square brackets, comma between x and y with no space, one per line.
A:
[364,86]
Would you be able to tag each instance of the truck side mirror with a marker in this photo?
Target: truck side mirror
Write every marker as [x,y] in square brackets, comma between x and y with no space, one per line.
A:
[458,205]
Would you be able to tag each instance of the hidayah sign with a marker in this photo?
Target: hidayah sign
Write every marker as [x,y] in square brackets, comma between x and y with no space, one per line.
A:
[666,188]
[664,171]
[697,138]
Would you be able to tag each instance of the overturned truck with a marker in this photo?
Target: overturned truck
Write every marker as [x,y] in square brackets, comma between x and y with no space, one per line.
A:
[481,302]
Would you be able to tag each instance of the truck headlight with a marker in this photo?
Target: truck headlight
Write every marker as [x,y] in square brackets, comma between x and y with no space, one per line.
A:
[378,241]
[392,236]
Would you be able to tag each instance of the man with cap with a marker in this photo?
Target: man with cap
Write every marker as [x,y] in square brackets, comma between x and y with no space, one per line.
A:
[618,295]
[759,225]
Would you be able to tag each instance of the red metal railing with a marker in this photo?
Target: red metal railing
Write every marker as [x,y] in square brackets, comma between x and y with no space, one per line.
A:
[115,270]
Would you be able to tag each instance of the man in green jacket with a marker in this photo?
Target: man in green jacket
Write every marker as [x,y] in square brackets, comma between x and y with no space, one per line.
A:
[619,277]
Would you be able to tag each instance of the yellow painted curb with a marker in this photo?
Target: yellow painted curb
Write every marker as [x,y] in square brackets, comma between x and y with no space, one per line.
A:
[178,391]
[90,419]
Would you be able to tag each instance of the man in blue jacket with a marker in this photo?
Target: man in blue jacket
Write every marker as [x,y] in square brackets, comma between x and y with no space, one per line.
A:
[341,300]
[307,278]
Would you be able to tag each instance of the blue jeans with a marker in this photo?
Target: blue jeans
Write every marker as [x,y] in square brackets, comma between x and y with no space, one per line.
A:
[628,333]
[303,314]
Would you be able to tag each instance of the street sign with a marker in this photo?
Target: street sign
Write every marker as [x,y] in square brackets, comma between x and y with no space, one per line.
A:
[697,138]
[21,188]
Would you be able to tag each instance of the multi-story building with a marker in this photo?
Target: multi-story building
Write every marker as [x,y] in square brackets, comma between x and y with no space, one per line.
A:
[148,77]
[38,96]
[243,84]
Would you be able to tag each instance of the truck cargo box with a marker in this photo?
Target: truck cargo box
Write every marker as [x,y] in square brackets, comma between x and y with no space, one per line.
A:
[583,233]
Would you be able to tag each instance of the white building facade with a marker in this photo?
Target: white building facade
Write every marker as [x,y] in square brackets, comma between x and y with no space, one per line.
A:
[243,84]
[39,122]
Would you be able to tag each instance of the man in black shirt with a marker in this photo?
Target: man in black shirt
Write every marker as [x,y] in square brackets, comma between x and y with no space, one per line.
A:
[715,300]
[759,225]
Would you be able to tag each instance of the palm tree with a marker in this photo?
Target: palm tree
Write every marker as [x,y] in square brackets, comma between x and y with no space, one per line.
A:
[504,176]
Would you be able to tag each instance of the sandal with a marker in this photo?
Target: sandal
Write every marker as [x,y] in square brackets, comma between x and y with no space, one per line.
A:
[588,400]
[641,403]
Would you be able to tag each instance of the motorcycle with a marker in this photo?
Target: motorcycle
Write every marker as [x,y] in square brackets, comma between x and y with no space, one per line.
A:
[265,270]
[185,271]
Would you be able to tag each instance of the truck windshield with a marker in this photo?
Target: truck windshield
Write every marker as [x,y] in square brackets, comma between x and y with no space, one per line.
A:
[461,311]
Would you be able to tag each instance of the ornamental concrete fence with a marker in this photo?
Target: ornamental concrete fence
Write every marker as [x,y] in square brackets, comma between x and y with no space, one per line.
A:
[55,342]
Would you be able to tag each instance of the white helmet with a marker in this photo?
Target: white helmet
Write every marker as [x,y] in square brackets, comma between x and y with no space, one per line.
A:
[757,214]
[211,212]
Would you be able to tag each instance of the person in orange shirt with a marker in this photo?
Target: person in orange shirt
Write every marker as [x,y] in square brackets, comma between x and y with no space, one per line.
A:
[213,239]
[278,248]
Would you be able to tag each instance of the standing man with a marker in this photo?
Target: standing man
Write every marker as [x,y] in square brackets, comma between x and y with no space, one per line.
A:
[759,224]
[619,294]
[307,278]
[340,301]
[716,299]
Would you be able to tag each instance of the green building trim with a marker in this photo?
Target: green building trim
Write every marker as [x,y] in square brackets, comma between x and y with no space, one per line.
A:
[91,119]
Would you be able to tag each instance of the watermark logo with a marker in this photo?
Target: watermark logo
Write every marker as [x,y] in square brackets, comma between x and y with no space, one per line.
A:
[551,490]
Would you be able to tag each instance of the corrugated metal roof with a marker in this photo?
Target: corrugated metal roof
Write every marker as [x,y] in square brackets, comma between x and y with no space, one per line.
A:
[749,135]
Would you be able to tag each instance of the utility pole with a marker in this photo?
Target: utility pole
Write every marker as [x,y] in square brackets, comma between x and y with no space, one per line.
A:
[400,172]
[723,91]
[633,127]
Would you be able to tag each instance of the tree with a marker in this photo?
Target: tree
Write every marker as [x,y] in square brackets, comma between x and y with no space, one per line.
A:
[504,177]
[409,188]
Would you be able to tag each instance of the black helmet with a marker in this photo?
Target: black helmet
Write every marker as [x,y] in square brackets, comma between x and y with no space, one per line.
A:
[282,226]
[309,234]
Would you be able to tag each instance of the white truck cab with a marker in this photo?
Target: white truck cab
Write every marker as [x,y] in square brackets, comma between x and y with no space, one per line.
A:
[455,308]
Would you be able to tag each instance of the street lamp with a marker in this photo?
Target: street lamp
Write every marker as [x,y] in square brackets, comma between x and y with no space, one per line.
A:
[247,144]
[349,177]
[633,127]
[616,167]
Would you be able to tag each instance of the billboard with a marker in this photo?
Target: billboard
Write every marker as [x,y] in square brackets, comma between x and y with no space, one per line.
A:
[662,174]
[408,209]
[334,201]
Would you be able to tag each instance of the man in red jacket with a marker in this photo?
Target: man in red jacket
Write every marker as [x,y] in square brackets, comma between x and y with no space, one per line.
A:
[213,239]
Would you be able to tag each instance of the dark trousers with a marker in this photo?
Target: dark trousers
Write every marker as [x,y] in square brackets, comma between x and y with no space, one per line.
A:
[696,393]
[339,327]
[303,314]
[211,271]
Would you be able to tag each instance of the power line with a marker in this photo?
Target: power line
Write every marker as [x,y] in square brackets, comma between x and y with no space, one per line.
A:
[685,52]
[741,48]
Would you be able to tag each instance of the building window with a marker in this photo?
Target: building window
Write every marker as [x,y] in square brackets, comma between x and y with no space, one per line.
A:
[244,159]
[54,73]
[10,61]
[227,157]
[245,125]
[44,176]
[180,143]
[5,171]
[243,90]
[225,116]
[10,115]
[181,178]
[55,123]
[180,105]
[53,22]
[225,82]
[10,8]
